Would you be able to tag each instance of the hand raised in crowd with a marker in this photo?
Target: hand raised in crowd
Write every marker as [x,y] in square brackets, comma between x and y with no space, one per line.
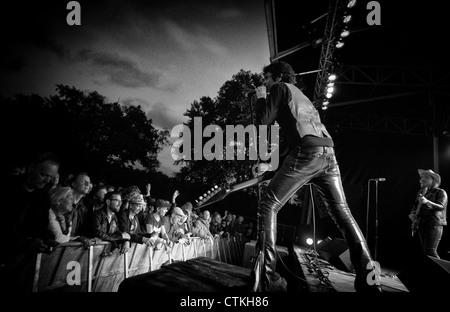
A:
[148,188]
[175,195]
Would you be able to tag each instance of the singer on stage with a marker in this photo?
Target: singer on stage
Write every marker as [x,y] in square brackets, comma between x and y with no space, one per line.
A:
[311,159]
[430,211]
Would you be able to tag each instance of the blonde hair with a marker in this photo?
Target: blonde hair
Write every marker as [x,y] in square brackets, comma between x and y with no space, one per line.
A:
[59,193]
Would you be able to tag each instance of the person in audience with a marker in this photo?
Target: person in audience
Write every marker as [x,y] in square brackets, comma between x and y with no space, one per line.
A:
[127,193]
[178,232]
[104,224]
[129,221]
[60,217]
[215,227]
[154,224]
[81,214]
[191,216]
[230,224]
[224,227]
[201,226]
[239,226]
[98,196]
[24,222]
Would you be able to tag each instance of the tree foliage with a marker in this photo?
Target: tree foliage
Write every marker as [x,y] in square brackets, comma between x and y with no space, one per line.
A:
[231,107]
[85,131]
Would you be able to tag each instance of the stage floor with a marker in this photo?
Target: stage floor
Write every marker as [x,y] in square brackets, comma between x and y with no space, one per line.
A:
[331,279]
[207,275]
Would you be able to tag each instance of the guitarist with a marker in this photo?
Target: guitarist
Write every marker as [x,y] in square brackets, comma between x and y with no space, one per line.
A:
[432,216]
[311,159]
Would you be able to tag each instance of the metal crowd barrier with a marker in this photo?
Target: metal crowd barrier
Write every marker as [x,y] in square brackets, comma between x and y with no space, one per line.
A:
[71,267]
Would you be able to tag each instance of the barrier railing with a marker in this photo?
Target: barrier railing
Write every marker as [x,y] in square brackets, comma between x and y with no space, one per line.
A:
[73,268]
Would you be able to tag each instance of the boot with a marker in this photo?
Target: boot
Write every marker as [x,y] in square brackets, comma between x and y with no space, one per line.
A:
[367,273]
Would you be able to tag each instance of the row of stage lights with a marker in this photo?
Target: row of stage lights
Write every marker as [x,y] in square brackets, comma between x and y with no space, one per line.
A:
[206,196]
[344,33]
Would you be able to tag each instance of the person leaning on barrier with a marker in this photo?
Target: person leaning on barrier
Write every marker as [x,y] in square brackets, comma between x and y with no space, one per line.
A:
[104,224]
[24,222]
[60,213]
[201,226]
[129,221]
[154,224]
[178,232]
[81,186]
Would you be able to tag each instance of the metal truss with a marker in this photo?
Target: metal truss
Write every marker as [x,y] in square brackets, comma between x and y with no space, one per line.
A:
[326,61]
[429,77]
[380,124]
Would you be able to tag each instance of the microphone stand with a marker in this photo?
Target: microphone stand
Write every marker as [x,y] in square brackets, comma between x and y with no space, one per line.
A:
[258,268]
[376,215]
[376,221]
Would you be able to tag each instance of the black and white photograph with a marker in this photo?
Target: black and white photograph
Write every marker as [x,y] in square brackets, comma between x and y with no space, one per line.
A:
[225,154]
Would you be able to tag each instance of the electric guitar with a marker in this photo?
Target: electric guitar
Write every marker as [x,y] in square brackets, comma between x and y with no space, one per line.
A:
[217,193]
[415,224]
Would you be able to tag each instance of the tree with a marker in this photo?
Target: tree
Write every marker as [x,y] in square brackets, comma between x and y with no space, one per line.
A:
[230,107]
[85,131]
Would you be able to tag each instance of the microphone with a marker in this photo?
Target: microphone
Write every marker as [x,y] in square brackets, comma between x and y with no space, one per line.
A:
[378,179]
[248,91]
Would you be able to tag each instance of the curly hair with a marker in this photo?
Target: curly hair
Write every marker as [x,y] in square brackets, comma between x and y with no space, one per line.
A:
[280,69]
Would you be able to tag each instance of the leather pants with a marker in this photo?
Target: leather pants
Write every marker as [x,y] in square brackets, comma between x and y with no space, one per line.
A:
[321,169]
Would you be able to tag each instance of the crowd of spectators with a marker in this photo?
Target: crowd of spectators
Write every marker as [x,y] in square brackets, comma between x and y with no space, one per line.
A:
[43,210]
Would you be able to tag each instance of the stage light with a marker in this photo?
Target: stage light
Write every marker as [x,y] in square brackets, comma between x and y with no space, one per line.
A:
[339,44]
[325,103]
[351,4]
[309,241]
[319,241]
[324,107]
[347,19]
[332,77]
[345,33]
[329,95]
[330,84]
[330,89]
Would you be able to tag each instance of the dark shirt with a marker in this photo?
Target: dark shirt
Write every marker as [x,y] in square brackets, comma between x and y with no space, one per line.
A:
[438,214]
[100,226]
[24,215]
[131,226]
[80,218]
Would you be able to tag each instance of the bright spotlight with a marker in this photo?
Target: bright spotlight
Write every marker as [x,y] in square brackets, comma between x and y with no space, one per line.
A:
[329,95]
[330,90]
[332,77]
[309,241]
[325,103]
[351,4]
[347,19]
[339,44]
[324,107]
[345,33]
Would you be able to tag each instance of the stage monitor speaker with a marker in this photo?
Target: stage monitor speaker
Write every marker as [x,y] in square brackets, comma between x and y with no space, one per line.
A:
[250,254]
[427,274]
[336,252]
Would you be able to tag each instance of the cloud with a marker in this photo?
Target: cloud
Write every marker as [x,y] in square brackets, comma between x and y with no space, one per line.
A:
[230,13]
[194,40]
[123,72]
[160,113]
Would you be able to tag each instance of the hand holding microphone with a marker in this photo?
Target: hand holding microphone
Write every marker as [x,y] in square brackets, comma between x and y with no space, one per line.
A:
[261,92]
